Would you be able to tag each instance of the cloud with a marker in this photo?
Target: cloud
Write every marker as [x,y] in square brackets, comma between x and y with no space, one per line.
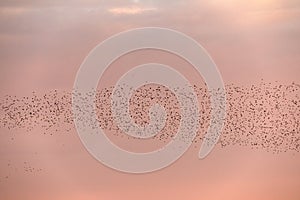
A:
[15,10]
[132,10]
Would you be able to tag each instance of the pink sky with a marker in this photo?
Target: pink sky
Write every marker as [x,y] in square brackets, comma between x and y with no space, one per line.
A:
[43,43]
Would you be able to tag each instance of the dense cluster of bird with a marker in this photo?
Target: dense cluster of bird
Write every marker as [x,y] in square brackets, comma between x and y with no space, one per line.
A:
[261,116]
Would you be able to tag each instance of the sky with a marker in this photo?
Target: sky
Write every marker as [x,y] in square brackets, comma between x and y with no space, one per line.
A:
[43,43]
[257,39]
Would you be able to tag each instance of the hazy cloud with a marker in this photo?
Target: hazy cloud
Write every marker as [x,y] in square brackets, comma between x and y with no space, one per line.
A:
[132,10]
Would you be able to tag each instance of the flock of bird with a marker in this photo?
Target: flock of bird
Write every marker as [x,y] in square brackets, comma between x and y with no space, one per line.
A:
[262,116]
